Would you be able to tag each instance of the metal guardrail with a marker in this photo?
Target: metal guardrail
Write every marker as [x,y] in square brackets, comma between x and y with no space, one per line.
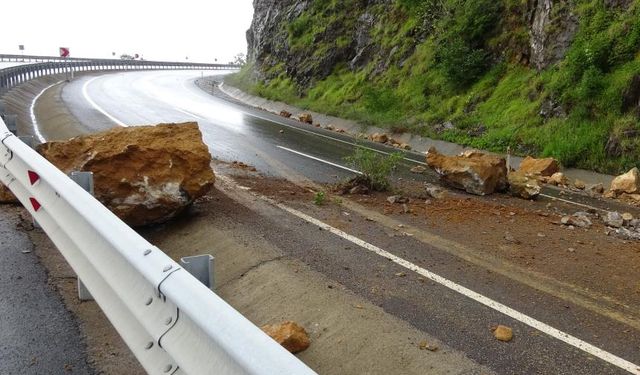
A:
[48,65]
[171,322]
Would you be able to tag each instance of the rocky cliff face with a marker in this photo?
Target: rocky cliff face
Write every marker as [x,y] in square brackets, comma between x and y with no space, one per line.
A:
[478,72]
[551,27]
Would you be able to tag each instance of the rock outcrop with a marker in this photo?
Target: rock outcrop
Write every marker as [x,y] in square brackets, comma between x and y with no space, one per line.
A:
[474,172]
[552,28]
[143,174]
[290,335]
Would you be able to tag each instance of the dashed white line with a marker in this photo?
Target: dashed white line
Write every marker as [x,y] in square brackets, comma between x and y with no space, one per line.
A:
[32,112]
[571,202]
[96,106]
[497,306]
[320,160]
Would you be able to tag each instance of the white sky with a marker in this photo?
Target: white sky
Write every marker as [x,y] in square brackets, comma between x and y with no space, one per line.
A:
[201,30]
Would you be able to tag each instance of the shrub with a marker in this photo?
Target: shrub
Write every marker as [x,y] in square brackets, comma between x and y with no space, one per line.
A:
[376,168]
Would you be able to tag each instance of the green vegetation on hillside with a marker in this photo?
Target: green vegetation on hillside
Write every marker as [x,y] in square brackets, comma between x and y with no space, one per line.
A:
[459,62]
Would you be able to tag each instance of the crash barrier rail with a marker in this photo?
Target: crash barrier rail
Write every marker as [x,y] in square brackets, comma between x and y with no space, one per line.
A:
[171,322]
[46,65]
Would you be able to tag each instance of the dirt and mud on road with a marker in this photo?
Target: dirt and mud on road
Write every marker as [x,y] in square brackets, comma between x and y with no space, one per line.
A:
[365,315]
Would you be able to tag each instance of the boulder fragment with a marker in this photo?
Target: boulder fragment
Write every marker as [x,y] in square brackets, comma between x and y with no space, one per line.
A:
[285,114]
[379,137]
[579,184]
[542,167]
[418,169]
[613,219]
[476,173]
[503,333]
[435,192]
[523,186]
[143,174]
[289,334]
[627,183]
[306,118]
[579,219]
[558,179]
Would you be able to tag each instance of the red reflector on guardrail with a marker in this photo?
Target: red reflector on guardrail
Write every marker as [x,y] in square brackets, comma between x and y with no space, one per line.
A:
[33,177]
[36,205]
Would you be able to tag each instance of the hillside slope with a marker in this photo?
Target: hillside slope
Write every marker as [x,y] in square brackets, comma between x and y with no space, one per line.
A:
[543,77]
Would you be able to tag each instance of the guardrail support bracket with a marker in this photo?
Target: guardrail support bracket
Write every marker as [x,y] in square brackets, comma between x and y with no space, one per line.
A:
[202,267]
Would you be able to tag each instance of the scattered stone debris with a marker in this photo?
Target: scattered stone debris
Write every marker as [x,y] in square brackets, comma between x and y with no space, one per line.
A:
[289,334]
[330,127]
[597,189]
[359,190]
[434,191]
[579,184]
[541,167]
[627,183]
[418,169]
[627,217]
[503,333]
[306,118]
[240,165]
[424,345]
[558,179]
[284,113]
[379,137]
[397,199]
[144,174]
[579,219]
[523,186]
[474,172]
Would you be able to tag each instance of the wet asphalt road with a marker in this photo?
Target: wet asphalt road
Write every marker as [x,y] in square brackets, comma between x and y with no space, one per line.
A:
[273,145]
[37,333]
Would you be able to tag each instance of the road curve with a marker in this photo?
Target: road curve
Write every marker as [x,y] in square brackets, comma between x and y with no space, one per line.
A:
[281,148]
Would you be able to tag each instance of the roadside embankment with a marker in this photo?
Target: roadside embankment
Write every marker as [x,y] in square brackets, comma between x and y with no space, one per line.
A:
[418,143]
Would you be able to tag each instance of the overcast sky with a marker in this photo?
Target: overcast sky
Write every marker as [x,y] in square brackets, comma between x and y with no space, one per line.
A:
[158,30]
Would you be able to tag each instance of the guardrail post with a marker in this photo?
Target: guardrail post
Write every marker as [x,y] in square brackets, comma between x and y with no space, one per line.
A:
[85,180]
[202,267]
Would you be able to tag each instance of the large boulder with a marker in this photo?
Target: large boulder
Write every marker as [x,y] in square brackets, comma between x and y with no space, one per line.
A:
[474,172]
[627,183]
[542,167]
[144,174]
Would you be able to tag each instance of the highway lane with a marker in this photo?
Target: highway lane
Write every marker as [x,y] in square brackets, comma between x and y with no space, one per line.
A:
[236,133]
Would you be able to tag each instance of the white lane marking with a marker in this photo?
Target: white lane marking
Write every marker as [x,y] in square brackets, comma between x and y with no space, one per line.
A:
[320,160]
[571,202]
[497,306]
[315,133]
[32,112]
[96,106]
[188,113]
